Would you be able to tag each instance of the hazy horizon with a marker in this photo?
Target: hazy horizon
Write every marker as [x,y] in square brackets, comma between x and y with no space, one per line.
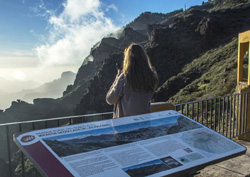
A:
[27,90]
[36,74]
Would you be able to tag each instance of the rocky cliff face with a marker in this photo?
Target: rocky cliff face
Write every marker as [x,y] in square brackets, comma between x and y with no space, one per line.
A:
[211,53]
[115,43]
[187,49]
[193,51]
[141,23]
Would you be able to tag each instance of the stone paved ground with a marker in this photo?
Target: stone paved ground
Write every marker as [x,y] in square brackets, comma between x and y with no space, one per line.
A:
[235,167]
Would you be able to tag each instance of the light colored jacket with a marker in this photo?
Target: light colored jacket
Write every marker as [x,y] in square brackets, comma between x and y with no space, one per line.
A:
[127,102]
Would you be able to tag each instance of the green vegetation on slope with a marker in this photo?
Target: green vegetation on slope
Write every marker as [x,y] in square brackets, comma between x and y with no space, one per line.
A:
[218,69]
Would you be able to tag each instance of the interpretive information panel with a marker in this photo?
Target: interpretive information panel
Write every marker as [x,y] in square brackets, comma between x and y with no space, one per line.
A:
[154,144]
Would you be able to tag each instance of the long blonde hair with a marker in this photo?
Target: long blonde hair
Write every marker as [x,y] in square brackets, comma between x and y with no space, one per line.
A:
[137,69]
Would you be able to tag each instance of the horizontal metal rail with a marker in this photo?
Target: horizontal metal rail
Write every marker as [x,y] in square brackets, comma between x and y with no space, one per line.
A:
[58,118]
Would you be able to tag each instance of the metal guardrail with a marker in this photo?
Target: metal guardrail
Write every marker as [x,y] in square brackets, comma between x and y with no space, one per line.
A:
[226,115]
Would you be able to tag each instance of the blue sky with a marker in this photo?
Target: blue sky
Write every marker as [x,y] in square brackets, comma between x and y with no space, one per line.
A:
[58,34]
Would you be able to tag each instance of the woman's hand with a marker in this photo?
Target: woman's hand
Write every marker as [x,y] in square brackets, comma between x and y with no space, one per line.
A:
[119,68]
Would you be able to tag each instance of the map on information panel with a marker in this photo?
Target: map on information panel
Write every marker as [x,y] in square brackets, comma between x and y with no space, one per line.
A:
[208,142]
[155,144]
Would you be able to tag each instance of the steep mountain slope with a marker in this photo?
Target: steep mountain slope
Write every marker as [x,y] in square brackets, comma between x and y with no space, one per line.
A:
[212,74]
[217,29]
[94,97]
[195,56]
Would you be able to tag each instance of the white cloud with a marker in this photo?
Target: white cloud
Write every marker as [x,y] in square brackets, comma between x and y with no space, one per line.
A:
[112,6]
[75,9]
[73,32]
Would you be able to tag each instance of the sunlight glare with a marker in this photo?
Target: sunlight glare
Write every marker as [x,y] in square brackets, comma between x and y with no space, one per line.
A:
[18,75]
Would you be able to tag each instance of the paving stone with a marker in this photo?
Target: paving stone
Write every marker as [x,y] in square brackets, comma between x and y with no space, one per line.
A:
[235,167]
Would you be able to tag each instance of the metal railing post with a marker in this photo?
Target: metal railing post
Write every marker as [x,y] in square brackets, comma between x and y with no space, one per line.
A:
[8,149]
[22,156]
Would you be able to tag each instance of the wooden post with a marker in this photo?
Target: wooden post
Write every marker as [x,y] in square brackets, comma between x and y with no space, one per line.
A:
[248,64]
[244,87]
[243,47]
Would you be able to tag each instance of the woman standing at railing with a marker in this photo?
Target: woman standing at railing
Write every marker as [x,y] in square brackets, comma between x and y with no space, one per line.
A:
[134,84]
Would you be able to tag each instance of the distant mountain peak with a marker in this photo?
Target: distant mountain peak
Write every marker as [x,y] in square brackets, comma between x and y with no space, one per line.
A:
[68,74]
